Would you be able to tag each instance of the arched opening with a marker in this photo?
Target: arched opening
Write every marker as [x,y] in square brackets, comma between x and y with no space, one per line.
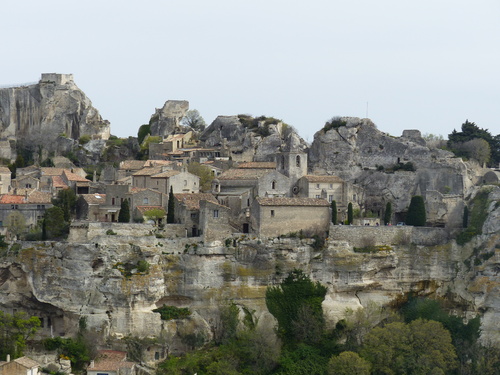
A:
[297,160]
[273,185]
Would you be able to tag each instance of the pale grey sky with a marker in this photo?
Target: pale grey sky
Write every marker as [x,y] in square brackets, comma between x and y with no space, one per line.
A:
[427,65]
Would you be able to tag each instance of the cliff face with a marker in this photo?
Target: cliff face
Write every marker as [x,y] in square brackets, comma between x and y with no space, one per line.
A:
[38,114]
[99,280]
[361,154]
[256,141]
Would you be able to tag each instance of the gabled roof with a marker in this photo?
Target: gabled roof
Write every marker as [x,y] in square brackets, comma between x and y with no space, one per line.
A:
[94,198]
[148,171]
[243,174]
[166,174]
[58,182]
[39,197]
[4,170]
[258,165]
[26,362]
[110,360]
[156,163]
[327,179]
[11,199]
[74,177]
[192,201]
[283,201]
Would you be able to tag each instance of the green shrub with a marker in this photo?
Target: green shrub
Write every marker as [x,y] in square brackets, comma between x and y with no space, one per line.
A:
[172,312]
[84,139]
[110,232]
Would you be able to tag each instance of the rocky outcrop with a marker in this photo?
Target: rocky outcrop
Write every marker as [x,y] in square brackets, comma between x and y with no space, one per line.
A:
[99,279]
[166,120]
[249,139]
[39,114]
[393,169]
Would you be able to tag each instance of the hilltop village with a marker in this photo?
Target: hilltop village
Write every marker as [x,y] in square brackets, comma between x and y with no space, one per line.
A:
[193,218]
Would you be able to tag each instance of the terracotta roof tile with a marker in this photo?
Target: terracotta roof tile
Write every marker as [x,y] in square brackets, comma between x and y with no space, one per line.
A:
[58,182]
[39,197]
[283,201]
[258,165]
[243,174]
[110,360]
[143,209]
[192,201]
[50,171]
[26,362]
[12,199]
[147,171]
[74,177]
[166,174]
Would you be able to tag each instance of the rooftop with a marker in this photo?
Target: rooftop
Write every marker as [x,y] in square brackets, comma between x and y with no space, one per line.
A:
[283,201]
[192,201]
[243,174]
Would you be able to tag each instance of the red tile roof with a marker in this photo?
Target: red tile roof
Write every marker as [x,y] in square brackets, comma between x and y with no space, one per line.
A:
[58,182]
[12,199]
[110,360]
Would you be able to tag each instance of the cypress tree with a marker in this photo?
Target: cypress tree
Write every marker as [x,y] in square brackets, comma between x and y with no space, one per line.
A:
[416,212]
[465,222]
[334,212]
[388,213]
[349,214]
[171,207]
[124,215]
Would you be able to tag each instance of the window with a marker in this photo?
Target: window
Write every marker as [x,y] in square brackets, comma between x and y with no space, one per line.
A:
[272,213]
[317,186]
[193,215]
[185,183]
[145,201]
[331,186]
[113,201]
[28,186]
[354,197]
[330,198]
[318,196]
[216,213]
[297,161]
[273,185]
[282,162]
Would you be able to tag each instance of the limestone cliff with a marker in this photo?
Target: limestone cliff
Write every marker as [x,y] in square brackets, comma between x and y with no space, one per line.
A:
[394,168]
[250,139]
[40,113]
[97,276]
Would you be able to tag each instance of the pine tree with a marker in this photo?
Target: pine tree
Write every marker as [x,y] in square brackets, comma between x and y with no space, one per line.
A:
[465,222]
[334,212]
[416,212]
[388,213]
[349,214]
[124,215]
[171,207]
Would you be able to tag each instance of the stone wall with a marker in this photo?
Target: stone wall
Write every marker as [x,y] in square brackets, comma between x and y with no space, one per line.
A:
[81,231]
[361,236]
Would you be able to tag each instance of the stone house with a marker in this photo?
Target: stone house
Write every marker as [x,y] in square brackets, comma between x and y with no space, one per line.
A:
[171,144]
[31,206]
[272,217]
[91,207]
[238,187]
[76,182]
[187,210]
[142,200]
[160,179]
[19,366]
[5,180]
[129,167]
[331,188]
[26,182]
[111,362]
[215,221]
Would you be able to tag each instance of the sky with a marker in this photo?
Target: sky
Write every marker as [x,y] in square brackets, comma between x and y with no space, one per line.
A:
[426,65]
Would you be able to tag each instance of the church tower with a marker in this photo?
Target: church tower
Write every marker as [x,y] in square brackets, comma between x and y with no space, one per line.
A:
[292,161]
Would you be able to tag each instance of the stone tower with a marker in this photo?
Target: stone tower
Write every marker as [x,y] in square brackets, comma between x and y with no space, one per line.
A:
[292,161]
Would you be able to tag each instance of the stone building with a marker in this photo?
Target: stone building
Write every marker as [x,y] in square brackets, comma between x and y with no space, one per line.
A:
[5,180]
[272,217]
[157,178]
[91,207]
[19,366]
[214,221]
[31,206]
[111,362]
[187,210]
